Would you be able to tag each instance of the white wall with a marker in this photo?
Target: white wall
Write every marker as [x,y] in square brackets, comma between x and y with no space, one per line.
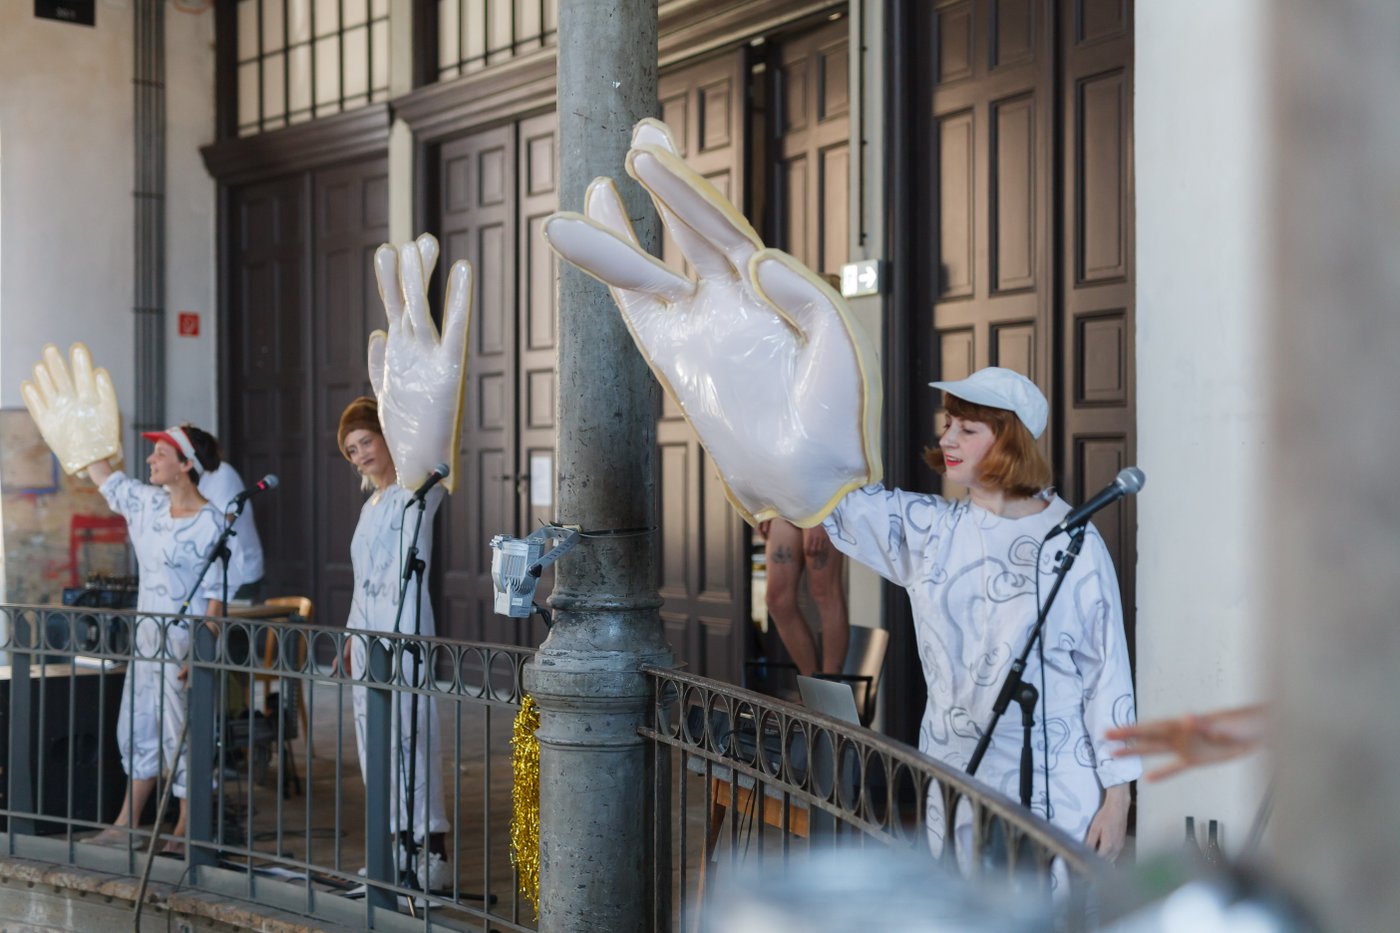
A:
[1201,129]
[66,180]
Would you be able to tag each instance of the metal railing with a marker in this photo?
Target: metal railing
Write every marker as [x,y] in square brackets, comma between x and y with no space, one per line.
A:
[783,779]
[288,816]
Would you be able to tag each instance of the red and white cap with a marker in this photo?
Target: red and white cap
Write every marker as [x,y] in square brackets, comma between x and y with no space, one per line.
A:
[177,438]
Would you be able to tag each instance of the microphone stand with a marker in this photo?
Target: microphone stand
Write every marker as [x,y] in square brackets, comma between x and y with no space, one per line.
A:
[1025,694]
[413,568]
[220,552]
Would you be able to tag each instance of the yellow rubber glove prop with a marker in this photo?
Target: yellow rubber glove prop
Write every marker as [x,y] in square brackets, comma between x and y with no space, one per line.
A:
[418,376]
[77,413]
[778,380]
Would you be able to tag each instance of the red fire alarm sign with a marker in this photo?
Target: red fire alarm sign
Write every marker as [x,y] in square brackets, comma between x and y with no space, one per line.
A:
[189,324]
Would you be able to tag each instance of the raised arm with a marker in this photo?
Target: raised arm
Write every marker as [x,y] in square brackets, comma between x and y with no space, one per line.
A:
[763,357]
[76,411]
[418,375]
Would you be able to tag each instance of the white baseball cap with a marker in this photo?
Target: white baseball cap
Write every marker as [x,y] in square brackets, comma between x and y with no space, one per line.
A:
[997,387]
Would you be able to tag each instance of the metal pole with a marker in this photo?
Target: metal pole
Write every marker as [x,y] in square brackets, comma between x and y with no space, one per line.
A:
[586,677]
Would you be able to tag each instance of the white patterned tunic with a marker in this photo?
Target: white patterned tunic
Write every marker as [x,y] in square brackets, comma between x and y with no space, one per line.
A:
[971,581]
[377,553]
[170,552]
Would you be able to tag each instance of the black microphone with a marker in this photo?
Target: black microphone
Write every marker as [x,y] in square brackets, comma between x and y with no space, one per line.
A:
[1128,481]
[263,485]
[440,473]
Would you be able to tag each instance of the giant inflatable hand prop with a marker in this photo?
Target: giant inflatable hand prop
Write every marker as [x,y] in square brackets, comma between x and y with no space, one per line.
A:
[418,377]
[761,354]
[76,414]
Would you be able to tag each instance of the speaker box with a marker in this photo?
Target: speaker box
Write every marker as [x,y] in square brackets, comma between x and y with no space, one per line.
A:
[75,767]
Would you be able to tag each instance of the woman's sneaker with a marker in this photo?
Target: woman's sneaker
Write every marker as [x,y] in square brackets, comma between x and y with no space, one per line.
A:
[434,873]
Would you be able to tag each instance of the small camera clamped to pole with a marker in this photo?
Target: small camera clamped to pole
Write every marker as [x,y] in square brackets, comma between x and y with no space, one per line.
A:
[516,565]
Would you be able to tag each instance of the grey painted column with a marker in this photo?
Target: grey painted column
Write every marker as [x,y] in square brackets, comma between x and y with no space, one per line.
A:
[593,766]
[1335,360]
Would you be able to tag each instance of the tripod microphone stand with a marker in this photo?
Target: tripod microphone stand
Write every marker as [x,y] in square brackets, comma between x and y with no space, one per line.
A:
[1025,694]
[413,569]
[220,552]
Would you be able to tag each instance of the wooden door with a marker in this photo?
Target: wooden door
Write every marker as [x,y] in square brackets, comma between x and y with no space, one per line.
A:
[1097,435]
[993,104]
[302,304]
[350,221]
[476,187]
[494,190]
[812,160]
[269,347]
[703,543]
[538,339]
[1030,231]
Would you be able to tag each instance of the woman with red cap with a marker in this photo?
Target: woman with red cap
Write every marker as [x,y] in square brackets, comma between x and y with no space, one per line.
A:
[172,528]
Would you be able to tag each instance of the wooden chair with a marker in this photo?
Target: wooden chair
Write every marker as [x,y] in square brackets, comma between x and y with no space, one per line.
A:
[300,611]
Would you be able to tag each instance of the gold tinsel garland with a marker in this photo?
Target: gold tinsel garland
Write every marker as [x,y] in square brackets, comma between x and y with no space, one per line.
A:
[525,799]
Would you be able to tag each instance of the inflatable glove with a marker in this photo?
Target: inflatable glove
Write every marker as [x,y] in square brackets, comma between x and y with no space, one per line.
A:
[77,414]
[778,381]
[417,377]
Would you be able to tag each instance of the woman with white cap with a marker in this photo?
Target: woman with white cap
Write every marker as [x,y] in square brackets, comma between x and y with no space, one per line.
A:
[973,569]
[782,385]
[173,530]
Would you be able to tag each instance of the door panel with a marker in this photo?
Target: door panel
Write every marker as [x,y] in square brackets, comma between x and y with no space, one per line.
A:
[497,187]
[302,304]
[351,221]
[702,548]
[1096,380]
[269,337]
[476,178]
[538,304]
[1032,231]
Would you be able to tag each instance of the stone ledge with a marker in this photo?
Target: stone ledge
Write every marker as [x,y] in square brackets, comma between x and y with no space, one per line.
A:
[165,897]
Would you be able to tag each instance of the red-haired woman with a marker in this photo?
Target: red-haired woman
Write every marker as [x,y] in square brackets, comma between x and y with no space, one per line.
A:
[376,552]
[971,568]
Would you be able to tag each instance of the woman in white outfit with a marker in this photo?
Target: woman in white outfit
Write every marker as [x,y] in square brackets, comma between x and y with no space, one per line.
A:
[173,528]
[970,567]
[376,553]
[781,384]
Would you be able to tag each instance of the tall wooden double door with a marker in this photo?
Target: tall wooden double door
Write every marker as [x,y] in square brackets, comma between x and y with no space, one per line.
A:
[1026,126]
[302,302]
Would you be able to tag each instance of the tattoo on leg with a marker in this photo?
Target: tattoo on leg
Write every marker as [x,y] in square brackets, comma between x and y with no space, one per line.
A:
[782,554]
[818,561]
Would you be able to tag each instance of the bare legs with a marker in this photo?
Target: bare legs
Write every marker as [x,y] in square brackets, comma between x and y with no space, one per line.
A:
[789,551]
[138,791]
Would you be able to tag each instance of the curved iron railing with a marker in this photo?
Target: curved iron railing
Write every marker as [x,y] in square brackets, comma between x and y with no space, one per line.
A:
[825,779]
[290,815]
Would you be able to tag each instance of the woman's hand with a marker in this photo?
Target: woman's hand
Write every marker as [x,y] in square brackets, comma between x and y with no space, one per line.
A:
[77,414]
[816,542]
[777,380]
[417,377]
[1193,740]
[1109,828]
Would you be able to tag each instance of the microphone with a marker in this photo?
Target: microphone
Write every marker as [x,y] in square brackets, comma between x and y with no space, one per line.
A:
[440,473]
[263,485]
[1128,481]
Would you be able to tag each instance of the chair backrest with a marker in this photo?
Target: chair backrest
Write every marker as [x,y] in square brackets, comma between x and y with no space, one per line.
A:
[865,659]
[302,608]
